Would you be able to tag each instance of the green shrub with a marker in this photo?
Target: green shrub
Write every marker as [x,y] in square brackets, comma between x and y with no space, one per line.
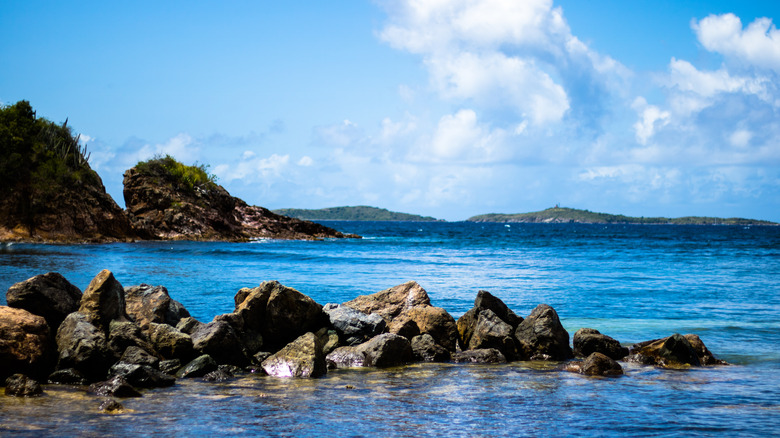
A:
[182,175]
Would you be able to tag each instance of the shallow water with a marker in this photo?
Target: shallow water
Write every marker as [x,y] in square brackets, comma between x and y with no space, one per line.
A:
[633,283]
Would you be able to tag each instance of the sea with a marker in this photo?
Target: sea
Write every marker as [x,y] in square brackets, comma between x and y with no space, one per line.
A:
[631,282]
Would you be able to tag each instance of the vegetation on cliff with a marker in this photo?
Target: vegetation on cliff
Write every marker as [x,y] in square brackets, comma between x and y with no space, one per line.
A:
[564,214]
[358,213]
[183,176]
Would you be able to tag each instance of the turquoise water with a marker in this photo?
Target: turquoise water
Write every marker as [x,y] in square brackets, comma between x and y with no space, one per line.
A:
[633,283]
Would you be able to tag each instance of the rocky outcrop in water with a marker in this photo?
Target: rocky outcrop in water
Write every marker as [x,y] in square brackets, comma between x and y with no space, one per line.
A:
[138,337]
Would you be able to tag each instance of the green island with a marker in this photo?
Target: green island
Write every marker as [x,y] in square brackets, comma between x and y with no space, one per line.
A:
[565,215]
[357,213]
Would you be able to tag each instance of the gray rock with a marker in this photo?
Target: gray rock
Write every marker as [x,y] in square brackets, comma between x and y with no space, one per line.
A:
[346,357]
[220,375]
[542,337]
[301,358]
[139,356]
[352,325]
[169,366]
[198,367]
[68,376]
[587,341]
[125,334]
[49,295]
[188,325]
[484,301]
[19,385]
[386,350]
[425,349]
[83,346]
[484,355]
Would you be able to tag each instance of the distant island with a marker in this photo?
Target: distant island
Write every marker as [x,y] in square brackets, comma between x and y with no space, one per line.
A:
[357,213]
[568,215]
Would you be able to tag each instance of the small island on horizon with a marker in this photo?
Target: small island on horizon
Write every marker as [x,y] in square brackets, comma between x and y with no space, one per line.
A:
[356,213]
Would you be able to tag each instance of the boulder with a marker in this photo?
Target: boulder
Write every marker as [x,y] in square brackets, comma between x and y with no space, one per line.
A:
[169,366]
[250,339]
[490,331]
[49,295]
[19,385]
[104,301]
[353,326]
[198,367]
[346,357]
[425,349]
[587,341]
[279,313]
[220,375]
[219,340]
[703,353]
[483,355]
[83,346]
[386,350]
[146,304]
[188,325]
[116,386]
[436,322]
[598,364]
[484,301]
[542,337]
[142,376]
[170,343]
[68,376]
[125,334]
[25,343]
[301,358]
[672,352]
[139,356]
[391,302]
[110,406]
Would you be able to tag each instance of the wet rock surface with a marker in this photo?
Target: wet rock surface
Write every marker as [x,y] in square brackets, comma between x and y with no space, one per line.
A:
[587,341]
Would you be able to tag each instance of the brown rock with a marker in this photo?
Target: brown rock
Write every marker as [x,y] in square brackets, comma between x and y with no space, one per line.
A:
[49,295]
[597,364]
[20,385]
[171,343]
[145,304]
[301,358]
[104,301]
[673,352]
[25,343]
[587,341]
[542,337]
[491,331]
[391,302]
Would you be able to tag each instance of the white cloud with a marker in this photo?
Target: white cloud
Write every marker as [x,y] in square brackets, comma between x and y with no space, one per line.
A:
[740,138]
[650,116]
[305,161]
[459,137]
[686,77]
[757,45]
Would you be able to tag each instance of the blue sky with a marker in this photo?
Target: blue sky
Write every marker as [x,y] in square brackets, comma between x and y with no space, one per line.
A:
[441,108]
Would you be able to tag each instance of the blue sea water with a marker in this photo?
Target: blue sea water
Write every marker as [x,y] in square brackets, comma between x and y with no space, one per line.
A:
[631,282]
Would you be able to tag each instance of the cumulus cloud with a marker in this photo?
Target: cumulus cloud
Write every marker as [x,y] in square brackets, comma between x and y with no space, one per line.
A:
[758,44]
[650,116]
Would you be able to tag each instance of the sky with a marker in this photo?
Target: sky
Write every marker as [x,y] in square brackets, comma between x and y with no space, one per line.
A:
[440,108]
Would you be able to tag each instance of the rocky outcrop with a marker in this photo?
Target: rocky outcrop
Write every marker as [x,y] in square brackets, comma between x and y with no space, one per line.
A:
[25,343]
[49,295]
[542,337]
[161,206]
[587,341]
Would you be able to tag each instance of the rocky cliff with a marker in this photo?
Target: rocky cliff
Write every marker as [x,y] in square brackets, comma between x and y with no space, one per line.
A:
[166,200]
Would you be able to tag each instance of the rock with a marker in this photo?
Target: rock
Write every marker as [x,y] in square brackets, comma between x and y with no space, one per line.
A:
[49,295]
[146,304]
[19,385]
[386,350]
[330,341]
[220,375]
[404,325]
[346,357]
[68,376]
[425,349]
[391,302]
[110,406]
[188,325]
[484,301]
[484,355]
[354,326]
[301,358]
[702,352]
[125,334]
[142,376]
[671,352]
[104,301]
[436,322]
[25,343]
[170,343]
[116,386]
[219,340]
[139,356]
[83,346]
[587,341]
[279,313]
[169,366]
[260,356]
[490,331]
[250,339]
[542,337]
[598,364]
[198,367]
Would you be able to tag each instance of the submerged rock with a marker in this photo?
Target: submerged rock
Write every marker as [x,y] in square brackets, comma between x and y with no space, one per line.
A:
[597,364]
[542,337]
[483,355]
[301,358]
[19,385]
[110,406]
[116,386]
[587,341]
[25,343]
[49,295]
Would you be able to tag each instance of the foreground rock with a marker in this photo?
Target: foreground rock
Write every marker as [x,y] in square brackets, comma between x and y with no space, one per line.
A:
[301,358]
[542,337]
[675,351]
[104,301]
[587,341]
[489,324]
[163,206]
[83,346]
[353,326]
[25,343]
[385,350]
[596,364]
[49,295]
[19,385]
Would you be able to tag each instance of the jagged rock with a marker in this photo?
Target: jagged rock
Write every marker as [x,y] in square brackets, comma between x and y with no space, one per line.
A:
[483,355]
[142,376]
[188,325]
[19,385]
[671,352]
[425,349]
[436,322]
[110,406]
[170,343]
[484,301]
[116,386]
[703,353]
[279,313]
[104,301]
[146,304]
[404,325]
[346,357]
[83,346]
[169,366]
[125,334]
[391,302]
[542,337]
[67,376]
[490,331]
[160,206]
[352,325]
[220,375]
[25,343]
[598,364]
[139,356]
[587,341]
[301,358]
[386,350]
[49,295]
[330,340]
[219,340]
[251,340]
[198,367]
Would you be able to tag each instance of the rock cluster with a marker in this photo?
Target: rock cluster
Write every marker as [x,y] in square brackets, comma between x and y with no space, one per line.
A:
[121,340]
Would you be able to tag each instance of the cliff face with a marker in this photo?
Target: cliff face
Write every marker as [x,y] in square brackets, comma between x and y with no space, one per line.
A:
[160,206]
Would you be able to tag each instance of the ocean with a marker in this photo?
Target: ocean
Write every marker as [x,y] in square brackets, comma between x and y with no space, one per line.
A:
[631,282]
